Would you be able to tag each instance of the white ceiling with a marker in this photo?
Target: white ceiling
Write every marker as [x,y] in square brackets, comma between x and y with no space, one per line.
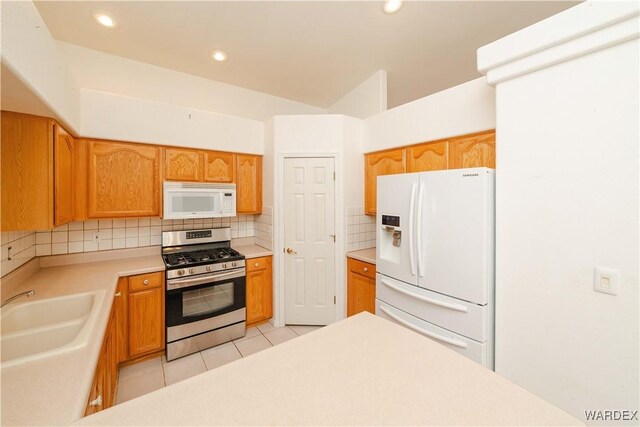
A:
[309,51]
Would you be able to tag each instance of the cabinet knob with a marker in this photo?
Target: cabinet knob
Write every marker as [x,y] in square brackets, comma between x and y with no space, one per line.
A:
[256,264]
[365,269]
[96,402]
[145,282]
[118,294]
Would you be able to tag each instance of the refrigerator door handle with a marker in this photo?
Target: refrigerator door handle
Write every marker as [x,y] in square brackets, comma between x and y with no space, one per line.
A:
[424,332]
[420,219]
[450,306]
[412,206]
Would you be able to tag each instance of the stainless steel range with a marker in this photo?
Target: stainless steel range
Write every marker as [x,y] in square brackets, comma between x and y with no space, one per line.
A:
[205,290]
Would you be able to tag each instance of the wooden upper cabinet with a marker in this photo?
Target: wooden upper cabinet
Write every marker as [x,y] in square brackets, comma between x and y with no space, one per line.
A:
[378,164]
[219,167]
[249,184]
[27,172]
[432,156]
[38,165]
[123,180]
[183,164]
[473,151]
[64,179]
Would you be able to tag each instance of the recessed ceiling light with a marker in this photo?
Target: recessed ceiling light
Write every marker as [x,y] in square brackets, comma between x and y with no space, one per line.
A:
[104,19]
[219,55]
[392,6]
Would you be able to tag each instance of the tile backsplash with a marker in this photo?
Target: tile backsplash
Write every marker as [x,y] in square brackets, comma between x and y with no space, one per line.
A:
[263,228]
[108,234]
[361,229]
[18,247]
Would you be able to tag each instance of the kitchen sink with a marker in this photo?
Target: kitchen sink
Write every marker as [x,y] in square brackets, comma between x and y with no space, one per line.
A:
[47,327]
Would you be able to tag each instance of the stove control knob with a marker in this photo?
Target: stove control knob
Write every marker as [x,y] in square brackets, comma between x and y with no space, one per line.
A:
[235,264]
[191,270]
[224,265]
[208,268]
[180,272]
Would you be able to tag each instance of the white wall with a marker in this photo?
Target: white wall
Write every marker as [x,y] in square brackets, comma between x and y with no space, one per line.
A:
[366,99]
[114,74]
[466,108]
[567,200]
[124,118]
[33,57]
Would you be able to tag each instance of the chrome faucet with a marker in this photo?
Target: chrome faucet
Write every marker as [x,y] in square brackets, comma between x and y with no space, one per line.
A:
[25,293]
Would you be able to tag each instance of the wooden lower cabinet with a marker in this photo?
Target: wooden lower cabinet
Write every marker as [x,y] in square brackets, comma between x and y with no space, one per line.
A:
[103,388]
[146,321]
[135,330]
[259,290]
[361,287]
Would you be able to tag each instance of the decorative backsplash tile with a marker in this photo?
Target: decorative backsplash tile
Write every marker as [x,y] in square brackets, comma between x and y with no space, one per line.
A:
[18,247]
[361,229]
[108,234]
[264,228]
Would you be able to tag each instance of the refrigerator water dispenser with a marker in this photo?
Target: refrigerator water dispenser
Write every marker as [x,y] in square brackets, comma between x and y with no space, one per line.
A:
[390,238]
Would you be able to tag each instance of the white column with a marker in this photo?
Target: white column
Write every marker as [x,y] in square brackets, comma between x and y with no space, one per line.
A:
[567,201]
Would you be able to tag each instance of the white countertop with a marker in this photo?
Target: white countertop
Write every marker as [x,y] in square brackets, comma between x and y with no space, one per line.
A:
[54,391]
[251,250]
[365,255]
[360,371]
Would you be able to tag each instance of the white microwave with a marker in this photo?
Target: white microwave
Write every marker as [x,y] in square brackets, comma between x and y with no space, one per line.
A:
[185,200]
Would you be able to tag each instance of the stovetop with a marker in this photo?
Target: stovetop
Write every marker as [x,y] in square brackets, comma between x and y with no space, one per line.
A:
[202,256]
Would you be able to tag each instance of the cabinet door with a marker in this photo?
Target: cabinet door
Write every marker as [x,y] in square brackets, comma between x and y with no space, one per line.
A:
[432,156]
[249,184]
[183,165]
[146,321]
[361,287]
[27,172]
[123,180]
[473,151]
[121,324]
[64,177]
[96,394]
[219,167]
[377,164]
[259,290]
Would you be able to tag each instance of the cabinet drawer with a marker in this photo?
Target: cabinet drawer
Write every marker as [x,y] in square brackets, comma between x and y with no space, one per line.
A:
[363,268]
[145,281]
[256,264]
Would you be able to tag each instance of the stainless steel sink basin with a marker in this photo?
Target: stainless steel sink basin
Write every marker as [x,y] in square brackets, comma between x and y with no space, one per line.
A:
[48,327]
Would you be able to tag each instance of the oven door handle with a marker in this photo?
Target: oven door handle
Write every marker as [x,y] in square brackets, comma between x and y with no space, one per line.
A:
[211,278]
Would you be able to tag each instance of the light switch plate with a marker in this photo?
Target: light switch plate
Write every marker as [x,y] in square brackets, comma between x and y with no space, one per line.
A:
[606,280]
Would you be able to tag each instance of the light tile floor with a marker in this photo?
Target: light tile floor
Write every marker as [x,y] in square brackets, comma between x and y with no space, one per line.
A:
[145,377]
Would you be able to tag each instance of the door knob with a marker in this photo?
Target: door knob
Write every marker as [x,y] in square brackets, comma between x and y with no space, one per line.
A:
[291,251]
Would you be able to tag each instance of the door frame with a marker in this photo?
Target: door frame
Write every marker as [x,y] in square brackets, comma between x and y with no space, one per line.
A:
[278,234]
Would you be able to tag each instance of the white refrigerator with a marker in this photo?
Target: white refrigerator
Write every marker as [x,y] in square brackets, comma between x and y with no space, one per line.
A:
[435,257]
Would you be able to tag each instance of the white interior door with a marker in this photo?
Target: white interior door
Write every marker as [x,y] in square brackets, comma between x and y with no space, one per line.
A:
[309,230]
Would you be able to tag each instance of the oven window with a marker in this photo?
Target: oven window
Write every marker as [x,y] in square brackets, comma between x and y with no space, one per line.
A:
[207,300]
